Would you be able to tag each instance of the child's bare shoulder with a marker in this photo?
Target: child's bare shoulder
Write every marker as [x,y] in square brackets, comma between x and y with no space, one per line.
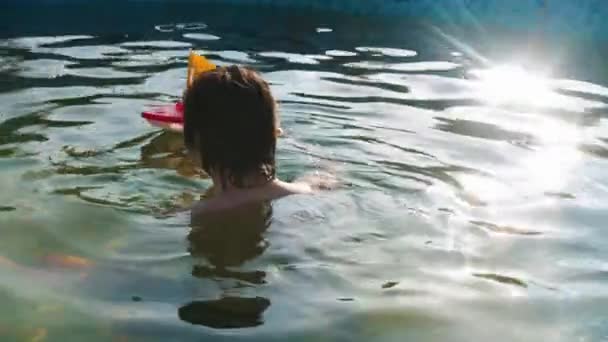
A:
[235,199]
[269,192]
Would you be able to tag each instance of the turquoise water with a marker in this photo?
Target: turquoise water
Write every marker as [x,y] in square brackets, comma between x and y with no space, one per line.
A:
[472,206]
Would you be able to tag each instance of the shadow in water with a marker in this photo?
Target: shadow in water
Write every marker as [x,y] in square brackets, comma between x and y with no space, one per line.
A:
[223,242]
[220,243]
[167,151]
[225,313]
[228,239]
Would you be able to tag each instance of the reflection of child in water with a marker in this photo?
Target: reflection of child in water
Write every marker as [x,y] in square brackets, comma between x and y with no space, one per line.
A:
[226,242]
[231,128]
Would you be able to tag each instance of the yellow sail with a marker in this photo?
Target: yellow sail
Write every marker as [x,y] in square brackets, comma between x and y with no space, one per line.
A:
[197,64]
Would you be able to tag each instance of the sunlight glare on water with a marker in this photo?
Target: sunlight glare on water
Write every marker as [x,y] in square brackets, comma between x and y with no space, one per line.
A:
[554,157]
[511,84]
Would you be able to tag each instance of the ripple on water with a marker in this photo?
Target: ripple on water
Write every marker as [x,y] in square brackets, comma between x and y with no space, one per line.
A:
[201,36]
[147,59]
[43,68]
[595,150]
[235,56]
[89,52]
[581,87]
[294,57]
[502,279]
[101,73]
[163,44]
[406,67]
[340,53]
[165,28]
[33,43]
[481,130]
[389,52]
[509,230]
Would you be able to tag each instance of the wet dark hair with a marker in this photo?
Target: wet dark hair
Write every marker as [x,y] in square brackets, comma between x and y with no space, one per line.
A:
[230,119]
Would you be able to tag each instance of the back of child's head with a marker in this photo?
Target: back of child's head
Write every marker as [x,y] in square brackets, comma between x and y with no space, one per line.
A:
[230,120]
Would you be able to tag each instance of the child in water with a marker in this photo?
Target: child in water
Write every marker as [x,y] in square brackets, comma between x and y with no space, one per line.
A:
[231,128]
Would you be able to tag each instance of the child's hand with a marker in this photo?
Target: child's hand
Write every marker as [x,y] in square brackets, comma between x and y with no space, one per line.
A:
[170,127]
[175,127]
[320,180]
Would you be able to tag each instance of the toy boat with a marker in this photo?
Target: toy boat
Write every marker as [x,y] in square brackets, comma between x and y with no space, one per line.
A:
[171,117]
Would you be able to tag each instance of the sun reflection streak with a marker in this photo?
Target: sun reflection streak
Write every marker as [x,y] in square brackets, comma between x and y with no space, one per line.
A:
[509,84]
[548,163]
[546,166]
[513,85]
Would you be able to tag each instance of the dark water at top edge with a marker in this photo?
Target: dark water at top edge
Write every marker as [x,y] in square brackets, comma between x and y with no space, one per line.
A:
[261,27]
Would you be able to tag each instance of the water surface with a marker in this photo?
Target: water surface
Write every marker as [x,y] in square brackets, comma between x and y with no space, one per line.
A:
[473,202]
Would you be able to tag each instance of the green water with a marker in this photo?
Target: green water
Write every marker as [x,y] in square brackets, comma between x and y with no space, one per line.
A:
[472,206]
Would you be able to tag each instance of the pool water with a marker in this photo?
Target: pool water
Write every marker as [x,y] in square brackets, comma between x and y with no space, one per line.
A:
[472,203]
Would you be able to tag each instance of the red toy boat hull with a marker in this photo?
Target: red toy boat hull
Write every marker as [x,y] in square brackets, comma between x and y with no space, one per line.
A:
[169,117]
